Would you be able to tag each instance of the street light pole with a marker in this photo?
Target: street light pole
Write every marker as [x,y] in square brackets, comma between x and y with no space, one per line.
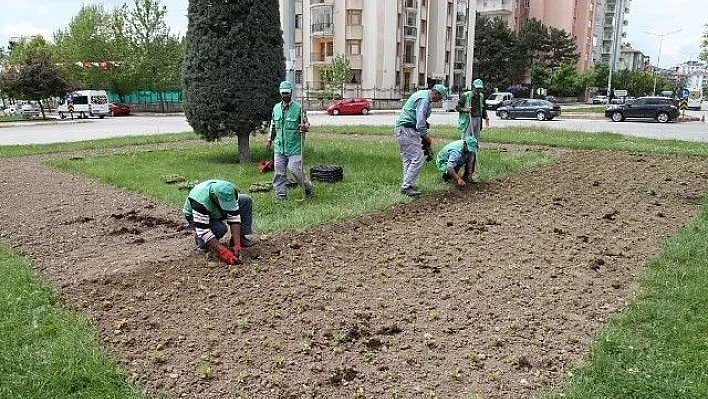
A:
[658,56]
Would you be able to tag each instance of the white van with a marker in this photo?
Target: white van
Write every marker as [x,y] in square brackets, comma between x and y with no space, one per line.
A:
[86,103]
[498,99]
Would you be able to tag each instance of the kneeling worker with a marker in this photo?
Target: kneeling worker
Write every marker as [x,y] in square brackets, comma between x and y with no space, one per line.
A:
[208,205]
[455,155]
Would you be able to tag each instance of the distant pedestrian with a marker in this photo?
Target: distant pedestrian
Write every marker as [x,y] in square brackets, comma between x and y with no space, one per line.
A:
[411,132]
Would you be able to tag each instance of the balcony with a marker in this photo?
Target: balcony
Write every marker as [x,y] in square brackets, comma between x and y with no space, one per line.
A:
[356,61]
[322,29]
[459,66]
[410,32]
[354,32]
[409,61]
[322,15]
[320,59]
[495,7]
[355,4]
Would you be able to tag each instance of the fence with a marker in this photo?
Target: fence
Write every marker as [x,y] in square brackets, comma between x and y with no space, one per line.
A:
[151,101]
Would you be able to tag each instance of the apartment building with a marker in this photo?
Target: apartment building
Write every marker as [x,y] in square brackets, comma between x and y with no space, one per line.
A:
[573,16]
[632,59]
[394,46]
[610,30]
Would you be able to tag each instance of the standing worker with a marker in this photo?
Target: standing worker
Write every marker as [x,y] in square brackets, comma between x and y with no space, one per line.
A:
[207,206]
[454,156]
[411,132]
[472,110]
[287,133]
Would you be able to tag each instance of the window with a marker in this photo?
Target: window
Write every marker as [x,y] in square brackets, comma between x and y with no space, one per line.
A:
[298,21]
[298,50]
[421,80]
[353,47]
[398,78]
[356,76]
[353,17]
[298,77]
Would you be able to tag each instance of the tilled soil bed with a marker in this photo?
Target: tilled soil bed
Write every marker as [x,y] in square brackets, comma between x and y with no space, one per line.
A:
[496,290]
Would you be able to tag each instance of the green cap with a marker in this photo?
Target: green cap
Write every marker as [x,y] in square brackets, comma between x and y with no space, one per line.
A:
[471,143]
[225,194]
[286,87]
[478,84]
[442,90]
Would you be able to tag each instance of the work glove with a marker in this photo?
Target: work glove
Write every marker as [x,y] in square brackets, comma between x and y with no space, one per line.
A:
[427,141]
[227,256]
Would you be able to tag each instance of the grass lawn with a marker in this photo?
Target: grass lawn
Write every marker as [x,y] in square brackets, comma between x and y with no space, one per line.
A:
[45,351]
[372,175]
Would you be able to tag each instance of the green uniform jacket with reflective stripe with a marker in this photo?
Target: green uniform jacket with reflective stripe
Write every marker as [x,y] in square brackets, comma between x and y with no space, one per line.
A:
[201,193]
[477,109]
[287,129]
[444,154]
[407,116]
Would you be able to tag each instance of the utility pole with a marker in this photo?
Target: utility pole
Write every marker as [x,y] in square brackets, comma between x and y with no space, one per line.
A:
[289,48]
[616,37]
[658,57]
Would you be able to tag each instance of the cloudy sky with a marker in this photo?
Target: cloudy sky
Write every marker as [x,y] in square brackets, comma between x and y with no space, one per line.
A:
[28,17]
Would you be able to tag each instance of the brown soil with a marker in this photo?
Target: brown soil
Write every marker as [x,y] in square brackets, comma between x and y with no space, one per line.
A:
[497,290]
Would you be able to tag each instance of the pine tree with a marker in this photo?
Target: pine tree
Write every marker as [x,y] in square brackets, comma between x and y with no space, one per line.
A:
[233,64]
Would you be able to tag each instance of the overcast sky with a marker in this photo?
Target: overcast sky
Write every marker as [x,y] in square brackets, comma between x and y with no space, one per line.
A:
[28,17]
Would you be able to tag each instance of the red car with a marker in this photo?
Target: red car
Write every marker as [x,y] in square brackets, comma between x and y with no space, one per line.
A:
[119,109]
[350,106]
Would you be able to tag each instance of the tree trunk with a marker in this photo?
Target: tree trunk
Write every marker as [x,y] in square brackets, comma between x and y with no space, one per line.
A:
[244,150]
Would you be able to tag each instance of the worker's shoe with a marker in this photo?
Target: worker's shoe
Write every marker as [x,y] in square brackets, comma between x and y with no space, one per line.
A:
[248,240]
[410,191]
[309,195]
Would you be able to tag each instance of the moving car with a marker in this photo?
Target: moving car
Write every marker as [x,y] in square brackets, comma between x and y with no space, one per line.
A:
[119,109]
[498,99]
[662,109]
[530,108]
[350,106]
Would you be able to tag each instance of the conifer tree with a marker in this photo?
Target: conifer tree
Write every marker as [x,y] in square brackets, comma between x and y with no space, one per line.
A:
[233,64]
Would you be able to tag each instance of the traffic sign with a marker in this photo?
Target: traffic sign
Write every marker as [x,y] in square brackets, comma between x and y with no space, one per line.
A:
[683,93]
[683,104]
[70,107]
[620,93]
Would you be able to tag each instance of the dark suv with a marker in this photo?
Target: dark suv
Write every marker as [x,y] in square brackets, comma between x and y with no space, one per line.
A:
[662,109]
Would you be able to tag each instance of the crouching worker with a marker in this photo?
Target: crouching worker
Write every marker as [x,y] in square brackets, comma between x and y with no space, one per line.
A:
[210,204]
[454,156]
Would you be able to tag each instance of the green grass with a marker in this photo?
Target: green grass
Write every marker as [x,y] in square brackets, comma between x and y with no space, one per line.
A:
[372,175]
[548,137]
[30,149]
[45,351]
[658,347]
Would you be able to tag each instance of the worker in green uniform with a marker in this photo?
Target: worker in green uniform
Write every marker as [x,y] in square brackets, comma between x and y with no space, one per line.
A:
[454,156]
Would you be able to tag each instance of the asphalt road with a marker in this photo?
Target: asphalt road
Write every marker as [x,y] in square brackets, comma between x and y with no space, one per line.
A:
[67,131]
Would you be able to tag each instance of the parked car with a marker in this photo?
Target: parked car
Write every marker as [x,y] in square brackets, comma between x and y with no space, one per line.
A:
[598,100]
[450,104]
[119,109]
[28,110]
[10,110]
[498,99]
[350,106]
[530,108]
[662,109]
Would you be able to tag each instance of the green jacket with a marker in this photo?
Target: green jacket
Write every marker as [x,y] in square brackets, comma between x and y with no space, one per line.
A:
[407,117]
[475,103]
[286,124]
[444,155]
